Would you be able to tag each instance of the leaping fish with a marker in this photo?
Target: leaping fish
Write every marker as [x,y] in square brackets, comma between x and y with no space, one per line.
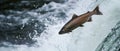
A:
[78,21]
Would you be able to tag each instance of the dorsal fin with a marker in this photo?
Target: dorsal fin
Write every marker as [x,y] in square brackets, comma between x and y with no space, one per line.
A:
[74,16]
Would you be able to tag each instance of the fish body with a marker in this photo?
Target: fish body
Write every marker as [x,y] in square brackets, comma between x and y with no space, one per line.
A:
[78,21]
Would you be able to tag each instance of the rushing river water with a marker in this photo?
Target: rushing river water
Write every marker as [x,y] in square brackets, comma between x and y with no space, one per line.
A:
[37,29]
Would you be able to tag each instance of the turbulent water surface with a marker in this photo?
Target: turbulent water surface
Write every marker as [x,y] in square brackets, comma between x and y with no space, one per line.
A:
[37,29]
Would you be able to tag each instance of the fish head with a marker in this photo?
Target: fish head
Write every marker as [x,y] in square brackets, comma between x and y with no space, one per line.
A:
[64,30]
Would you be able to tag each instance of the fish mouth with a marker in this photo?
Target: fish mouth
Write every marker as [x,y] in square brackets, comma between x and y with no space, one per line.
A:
[63,32]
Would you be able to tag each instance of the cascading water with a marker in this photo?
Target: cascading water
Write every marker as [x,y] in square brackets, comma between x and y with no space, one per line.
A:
[46,21]
[112,41]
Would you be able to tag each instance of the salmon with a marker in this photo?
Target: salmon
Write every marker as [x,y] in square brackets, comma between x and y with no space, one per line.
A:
[78,21]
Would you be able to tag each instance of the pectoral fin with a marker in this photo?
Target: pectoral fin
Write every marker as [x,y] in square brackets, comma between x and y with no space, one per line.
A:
[81,25]
[89,20]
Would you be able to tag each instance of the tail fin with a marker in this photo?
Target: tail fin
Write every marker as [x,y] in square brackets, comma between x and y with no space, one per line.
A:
[97,11]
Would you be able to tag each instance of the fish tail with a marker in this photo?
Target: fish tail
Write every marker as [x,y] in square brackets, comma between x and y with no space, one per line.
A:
[97,11]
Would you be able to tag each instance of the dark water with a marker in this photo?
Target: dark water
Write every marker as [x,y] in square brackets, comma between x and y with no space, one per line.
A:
[24,4]
[14,31]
